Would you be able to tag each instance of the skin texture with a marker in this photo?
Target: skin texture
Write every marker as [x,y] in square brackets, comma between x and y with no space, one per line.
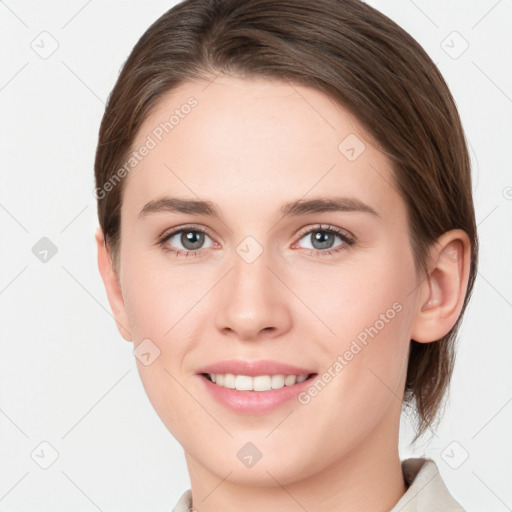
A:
[251,145]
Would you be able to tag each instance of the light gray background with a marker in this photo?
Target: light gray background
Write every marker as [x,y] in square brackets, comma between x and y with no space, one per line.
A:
[67,378]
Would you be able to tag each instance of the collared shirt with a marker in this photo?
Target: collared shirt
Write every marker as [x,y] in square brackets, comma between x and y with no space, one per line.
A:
[426,490]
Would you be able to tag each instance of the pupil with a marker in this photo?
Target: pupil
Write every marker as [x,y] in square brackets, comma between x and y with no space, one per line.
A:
[324,238]
[192,240]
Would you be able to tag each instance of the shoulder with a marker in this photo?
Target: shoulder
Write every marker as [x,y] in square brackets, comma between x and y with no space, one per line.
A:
[426,490]
[184,503]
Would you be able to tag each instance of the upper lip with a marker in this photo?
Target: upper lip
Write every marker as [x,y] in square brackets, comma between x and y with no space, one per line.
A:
[254,368]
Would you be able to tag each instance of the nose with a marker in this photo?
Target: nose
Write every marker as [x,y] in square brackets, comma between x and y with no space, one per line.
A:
[254,302]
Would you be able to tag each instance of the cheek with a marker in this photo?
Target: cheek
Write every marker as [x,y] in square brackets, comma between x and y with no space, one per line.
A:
[365,361]
[159,301]
[353,296]
[158,294]
[367,309]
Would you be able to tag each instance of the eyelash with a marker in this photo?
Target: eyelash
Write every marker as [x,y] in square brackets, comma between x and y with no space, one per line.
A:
[347,241]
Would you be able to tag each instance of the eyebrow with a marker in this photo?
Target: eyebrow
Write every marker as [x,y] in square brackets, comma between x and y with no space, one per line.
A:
[291,209]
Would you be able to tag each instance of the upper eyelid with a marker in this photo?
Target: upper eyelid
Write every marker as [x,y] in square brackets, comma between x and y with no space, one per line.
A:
[303,232]
[179,229]
[325,227]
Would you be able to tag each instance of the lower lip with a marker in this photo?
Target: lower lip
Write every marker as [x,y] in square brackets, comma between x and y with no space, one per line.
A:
[255,402]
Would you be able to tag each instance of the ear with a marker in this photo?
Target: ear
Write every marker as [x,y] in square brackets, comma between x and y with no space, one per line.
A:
[442,292]
[112,286]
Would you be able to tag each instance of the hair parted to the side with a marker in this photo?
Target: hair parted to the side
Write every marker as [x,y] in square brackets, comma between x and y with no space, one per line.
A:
[357,56]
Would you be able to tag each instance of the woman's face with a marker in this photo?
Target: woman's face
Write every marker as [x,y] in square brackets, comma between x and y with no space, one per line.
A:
[266,281]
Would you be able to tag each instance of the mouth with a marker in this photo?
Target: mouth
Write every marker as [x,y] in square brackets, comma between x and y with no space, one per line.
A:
[257,383]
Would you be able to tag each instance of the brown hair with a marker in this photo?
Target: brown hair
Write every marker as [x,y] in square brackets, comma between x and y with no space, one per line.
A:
[354,54]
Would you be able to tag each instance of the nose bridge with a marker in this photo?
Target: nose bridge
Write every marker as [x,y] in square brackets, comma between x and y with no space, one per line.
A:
[250,268]
[250,279]
[251,299]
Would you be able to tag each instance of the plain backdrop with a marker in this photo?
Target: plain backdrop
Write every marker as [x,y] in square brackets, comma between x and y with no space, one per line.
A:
[70,395]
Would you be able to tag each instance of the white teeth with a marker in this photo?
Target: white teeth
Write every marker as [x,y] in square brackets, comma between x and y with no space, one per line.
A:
[243,383]
[277,381]
[290,380]
[258,383]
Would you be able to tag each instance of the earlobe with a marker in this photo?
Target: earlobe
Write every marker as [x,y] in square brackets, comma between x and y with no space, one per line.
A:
[442,292]
[112,286]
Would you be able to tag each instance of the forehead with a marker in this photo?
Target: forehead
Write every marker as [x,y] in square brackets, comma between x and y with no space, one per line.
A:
[238,141]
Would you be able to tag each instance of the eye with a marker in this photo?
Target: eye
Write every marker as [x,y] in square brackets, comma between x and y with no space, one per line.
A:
[322,239]
[191,240]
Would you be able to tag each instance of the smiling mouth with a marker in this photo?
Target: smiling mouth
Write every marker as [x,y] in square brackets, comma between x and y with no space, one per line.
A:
[256,383]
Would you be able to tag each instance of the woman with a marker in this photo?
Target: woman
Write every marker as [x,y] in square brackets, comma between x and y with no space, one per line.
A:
[287,236]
